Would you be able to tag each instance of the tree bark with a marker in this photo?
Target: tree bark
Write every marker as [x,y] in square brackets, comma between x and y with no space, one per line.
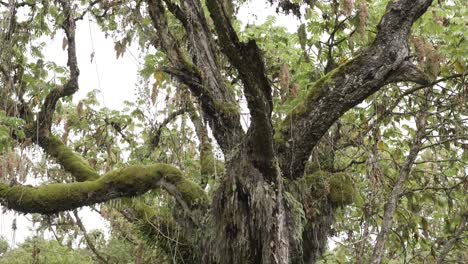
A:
[386,60]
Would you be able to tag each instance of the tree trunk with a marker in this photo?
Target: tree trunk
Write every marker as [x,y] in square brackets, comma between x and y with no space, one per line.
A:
[251,220]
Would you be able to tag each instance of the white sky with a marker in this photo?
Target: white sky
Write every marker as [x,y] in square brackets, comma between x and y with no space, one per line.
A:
[116,80]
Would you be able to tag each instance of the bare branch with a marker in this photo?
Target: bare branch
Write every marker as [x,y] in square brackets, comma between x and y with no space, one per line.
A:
[156,133]
[392,201]
[88,240]
[448,245]
[412,91]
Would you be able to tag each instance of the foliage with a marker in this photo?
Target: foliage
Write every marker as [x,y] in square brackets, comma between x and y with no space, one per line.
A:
[350,174]
[38,250]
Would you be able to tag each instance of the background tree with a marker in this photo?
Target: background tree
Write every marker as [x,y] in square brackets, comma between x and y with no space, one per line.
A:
[356,130]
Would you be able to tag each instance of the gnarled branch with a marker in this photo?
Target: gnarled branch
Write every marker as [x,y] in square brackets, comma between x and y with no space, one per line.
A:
[202,75]
[347,85]
[248,60]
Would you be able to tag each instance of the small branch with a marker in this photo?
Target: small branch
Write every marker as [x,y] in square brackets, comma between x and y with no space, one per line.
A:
[156,133]
[90,6]
[411,91]
[448,245]
[354,162]
[465,137]
[25,3]
[392,201]
[428,188]
[87,239]
[119,130]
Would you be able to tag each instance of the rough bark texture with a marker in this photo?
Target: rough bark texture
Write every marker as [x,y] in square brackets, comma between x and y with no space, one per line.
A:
[348,85]
[202,74]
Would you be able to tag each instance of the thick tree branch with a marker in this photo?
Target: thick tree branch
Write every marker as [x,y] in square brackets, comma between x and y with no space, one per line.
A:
[248,60]
[126,182]
[71,86]
[203,75]
[70,160]
[348,85]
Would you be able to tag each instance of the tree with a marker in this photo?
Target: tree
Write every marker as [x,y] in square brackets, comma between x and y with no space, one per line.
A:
[356,126]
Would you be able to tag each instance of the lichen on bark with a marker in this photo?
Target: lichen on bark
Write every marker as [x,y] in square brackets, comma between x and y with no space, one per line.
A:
[338,188]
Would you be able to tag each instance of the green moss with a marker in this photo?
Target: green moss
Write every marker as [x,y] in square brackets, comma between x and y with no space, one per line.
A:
[190,191]
[297,215]
[48,198]
[207,163]
[126,182]
[318,89]
[338,188]
[71,161]
[341,189]
[227,108]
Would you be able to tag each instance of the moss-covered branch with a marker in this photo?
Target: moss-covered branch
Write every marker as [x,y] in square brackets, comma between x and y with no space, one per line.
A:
[71,86]
[126,182]
[71,161]
[40,130]
[207,160]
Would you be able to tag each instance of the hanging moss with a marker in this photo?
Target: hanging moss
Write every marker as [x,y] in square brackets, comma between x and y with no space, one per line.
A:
[126,182]
[338,188]
[70,161]
[297,216]
[207,162]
